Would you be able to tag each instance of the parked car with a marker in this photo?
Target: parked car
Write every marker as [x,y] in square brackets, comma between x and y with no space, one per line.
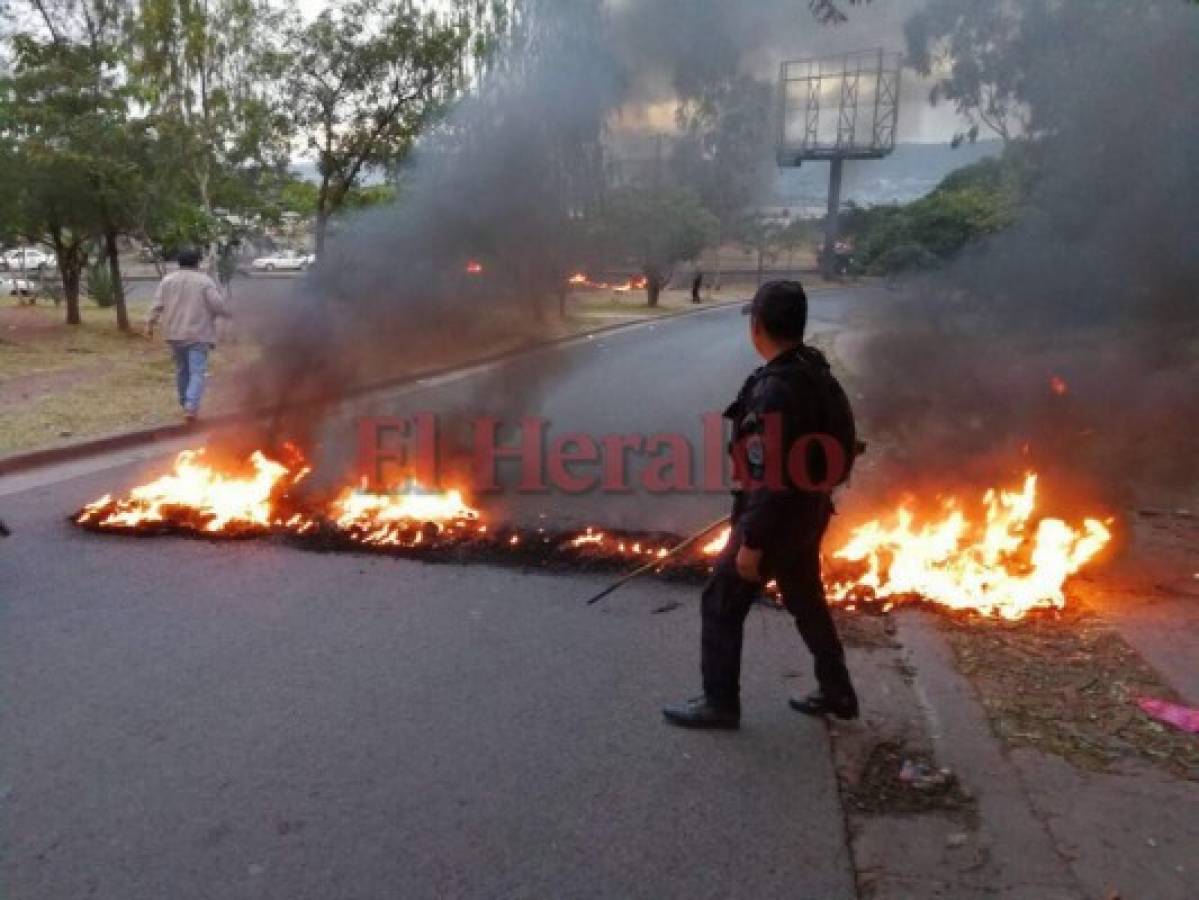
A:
[24,259]
[17,287]
[285,260]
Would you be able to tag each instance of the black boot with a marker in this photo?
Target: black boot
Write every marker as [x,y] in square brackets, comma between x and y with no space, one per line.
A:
[703,713]
[843,706]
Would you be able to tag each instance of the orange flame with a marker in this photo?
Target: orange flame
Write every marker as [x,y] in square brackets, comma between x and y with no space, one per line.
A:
[217,500]
[1006,565]
[395,519]
[717,543]
[1058,386]
[633,284]
[474,268]
[1005,561]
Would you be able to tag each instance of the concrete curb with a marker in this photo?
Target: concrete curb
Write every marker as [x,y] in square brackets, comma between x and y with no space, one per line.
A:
[35,459]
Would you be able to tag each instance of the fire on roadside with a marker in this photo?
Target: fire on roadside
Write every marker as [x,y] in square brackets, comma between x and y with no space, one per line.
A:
[581,280]
[200,496]
[1003,559]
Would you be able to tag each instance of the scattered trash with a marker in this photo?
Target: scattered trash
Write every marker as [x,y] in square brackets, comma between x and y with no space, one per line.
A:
[1183,717]
[897,779]
[667,607]
[922,775]
[957,840]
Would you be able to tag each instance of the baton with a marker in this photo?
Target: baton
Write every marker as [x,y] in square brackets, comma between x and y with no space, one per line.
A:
[657,561]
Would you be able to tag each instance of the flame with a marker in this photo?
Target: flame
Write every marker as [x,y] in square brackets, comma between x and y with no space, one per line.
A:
[215,500]
[1058,385]
[718,543]
[1004,561]
[1007,564]
[633,284]
[474,268]
[399,519]
[580,279]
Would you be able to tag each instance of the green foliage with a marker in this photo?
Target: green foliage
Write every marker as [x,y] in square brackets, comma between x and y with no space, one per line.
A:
[972,202]
[370,195]
[298,196]
[724,150]
[101,286]
[363,79]
[655,228]
[206,74]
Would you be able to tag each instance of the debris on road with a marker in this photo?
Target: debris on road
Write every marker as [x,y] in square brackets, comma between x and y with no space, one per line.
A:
[1184,717]
[900,779]
[1066,683]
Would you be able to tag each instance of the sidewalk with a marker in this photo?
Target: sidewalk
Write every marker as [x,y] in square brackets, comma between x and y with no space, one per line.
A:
[1065,790]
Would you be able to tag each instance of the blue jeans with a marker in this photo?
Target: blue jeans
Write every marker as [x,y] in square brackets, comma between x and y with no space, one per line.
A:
[191,365]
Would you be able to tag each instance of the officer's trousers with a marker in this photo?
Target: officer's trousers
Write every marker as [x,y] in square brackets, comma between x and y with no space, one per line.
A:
[727,599]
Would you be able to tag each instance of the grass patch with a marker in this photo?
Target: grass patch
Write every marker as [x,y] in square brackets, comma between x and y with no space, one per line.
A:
[1066,684]
[60,382]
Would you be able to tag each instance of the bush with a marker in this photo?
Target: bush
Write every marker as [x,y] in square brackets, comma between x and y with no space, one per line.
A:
[904,258]
[967,205]
[100,285]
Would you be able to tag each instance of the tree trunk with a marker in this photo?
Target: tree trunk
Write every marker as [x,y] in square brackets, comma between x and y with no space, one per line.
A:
[70,268]
[653,285]
[114,272]
[322,226]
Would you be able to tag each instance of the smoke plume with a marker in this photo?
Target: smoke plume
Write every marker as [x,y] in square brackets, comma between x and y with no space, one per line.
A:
[1070,342]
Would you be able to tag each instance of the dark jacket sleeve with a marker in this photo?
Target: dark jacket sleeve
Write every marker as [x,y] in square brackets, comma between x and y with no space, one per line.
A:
[767,506]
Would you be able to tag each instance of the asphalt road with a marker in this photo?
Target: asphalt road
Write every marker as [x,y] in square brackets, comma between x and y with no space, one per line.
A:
[193,720]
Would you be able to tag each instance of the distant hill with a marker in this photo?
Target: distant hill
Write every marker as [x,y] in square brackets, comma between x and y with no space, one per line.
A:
[910,172]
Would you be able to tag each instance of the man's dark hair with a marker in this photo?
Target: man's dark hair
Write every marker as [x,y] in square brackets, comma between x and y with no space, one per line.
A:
[189,257]
[782,309]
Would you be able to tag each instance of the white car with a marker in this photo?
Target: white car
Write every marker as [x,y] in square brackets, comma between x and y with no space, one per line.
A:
[27,258]
[287,260]
[17,287]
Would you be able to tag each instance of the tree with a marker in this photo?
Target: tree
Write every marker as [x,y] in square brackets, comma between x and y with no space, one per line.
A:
[761,235]
[364,79]
[208,72]
[63,117]
[655,229]
[976,45]
[798,234]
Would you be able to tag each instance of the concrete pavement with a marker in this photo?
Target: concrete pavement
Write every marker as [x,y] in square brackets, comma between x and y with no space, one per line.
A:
[190,719]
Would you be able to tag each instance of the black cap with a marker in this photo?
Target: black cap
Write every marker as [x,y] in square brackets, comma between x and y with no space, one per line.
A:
[782,308]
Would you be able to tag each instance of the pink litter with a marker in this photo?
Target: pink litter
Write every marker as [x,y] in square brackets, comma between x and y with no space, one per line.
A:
[1184,717]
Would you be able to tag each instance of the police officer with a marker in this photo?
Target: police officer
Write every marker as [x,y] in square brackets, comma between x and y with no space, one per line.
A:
[777,522]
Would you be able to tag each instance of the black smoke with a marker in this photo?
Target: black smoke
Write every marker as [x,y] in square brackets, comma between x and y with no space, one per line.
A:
[1068,343]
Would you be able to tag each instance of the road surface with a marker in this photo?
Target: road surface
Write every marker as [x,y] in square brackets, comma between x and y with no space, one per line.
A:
[194,720]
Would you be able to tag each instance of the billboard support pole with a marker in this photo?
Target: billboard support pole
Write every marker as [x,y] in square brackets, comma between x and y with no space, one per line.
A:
[829,258]
[840,87]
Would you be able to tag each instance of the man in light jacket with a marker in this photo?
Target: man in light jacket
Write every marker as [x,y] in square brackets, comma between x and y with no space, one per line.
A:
[189,302]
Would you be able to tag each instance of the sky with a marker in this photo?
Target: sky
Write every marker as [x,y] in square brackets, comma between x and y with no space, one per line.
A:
[876,24]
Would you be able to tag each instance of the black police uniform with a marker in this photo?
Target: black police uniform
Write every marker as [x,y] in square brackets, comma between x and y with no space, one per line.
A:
[783,521]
